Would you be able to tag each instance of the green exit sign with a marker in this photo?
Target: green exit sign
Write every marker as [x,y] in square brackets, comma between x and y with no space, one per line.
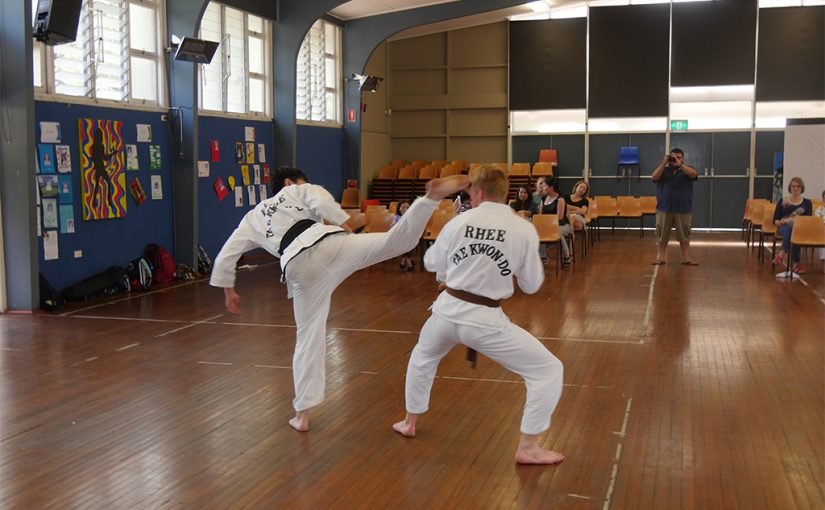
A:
[678,125]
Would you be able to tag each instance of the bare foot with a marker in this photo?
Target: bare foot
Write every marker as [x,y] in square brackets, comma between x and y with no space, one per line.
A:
[440,188]
[300,422]
[404,428]
[537,455]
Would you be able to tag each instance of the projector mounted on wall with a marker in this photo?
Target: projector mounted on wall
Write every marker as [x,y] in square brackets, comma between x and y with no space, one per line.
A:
[194,50]
[367,83]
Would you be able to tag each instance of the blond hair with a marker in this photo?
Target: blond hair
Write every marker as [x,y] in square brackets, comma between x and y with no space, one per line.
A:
[492,180]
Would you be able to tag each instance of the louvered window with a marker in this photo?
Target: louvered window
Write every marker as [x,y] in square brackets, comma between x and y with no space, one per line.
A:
[238,78]
[317,91]
[107,61]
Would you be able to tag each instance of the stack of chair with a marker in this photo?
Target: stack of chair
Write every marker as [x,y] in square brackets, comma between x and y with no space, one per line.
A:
[383,185]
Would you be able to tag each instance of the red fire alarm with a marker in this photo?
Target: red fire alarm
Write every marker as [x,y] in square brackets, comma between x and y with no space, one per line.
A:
[351,115]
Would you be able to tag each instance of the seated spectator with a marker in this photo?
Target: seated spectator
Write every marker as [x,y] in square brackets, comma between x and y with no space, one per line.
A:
[786,210]
[523,202]
[820,211]
[462,202]
[537,196]
[407,263]
[553,203]
[577,204]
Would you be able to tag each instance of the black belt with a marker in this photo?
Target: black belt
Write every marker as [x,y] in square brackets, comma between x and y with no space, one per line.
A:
[475,299]
[294,231]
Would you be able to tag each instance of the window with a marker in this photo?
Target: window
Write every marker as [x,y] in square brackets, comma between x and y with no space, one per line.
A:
[318,84]
[107,61]
[716,107]
[238,78]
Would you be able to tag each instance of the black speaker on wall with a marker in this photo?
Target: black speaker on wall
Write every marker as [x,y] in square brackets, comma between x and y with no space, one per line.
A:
[56,21]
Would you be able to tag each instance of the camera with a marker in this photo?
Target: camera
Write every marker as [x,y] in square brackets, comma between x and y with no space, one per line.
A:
[671,159]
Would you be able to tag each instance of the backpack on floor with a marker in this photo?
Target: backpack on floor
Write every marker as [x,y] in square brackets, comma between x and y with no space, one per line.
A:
[139,274]
[50,299]
[161,263]
[204,262]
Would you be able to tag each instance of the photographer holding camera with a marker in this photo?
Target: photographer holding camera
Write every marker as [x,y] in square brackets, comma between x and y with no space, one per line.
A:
[674,204]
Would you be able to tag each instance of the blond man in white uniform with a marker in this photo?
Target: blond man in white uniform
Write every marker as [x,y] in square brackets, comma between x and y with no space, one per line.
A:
[477,254]
[315,259]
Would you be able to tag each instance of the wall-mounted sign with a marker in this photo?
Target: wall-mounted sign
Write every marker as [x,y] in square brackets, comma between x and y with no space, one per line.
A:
[678,125]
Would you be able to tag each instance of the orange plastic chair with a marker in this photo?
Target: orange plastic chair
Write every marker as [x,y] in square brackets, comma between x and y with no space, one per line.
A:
[351,198]
[543,168]
[547,226]
[549,156]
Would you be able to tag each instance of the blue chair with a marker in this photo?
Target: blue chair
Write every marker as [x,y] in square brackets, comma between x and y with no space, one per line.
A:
[628,158]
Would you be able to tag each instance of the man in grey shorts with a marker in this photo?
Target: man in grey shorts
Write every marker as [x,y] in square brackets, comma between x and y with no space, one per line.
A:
[674,204]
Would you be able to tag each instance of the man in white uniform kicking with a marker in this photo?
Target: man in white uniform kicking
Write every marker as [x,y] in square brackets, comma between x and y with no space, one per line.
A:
[477,254]
[315,259]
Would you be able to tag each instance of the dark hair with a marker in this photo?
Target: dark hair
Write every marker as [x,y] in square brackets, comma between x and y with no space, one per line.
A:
[464,195]
[283,173]
[552,182]
[678,151]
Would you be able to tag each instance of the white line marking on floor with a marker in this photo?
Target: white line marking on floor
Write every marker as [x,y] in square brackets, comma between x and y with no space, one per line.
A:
[87,360]
[137,319]
[646,321]
[127,347]
[9,349]
[589,340]
[213,363]
[272,366]
[195,323]
[618,456]
[578,496]
[374,331]
[140,295]
[257,324]
[131,296]
[476,379]
[621,433]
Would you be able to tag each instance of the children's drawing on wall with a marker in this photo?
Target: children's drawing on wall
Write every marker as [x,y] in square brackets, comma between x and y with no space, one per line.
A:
[46,155]
[65,186]
[102,168]
[64,158]
[132,157]
[48,185]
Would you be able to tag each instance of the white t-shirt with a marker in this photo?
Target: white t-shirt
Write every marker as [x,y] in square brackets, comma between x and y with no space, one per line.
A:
[480,251]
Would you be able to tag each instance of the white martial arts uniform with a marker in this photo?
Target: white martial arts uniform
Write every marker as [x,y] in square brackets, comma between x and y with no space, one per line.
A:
[480,252]
[314,264]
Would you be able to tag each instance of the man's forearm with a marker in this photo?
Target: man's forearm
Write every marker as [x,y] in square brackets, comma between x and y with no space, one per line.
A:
[690,171]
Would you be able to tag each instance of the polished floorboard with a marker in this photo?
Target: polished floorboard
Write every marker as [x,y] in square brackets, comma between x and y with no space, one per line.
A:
[685,387]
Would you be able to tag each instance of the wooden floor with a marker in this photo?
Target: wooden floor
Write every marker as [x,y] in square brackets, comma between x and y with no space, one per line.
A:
[685,387]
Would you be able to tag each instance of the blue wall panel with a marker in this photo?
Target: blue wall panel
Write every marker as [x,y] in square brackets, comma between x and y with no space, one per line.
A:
[113,241]
[217,220]
[320,154]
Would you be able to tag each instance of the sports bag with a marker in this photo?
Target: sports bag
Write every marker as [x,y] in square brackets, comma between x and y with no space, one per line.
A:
[140,274]
[161,262]
[107,282]
[204,262]
[50,299]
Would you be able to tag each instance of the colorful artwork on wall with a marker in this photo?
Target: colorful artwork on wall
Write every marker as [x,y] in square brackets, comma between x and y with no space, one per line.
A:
[102,168]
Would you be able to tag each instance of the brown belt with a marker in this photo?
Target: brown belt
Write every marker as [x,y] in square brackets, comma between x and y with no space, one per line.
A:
[473,298]
[476,300]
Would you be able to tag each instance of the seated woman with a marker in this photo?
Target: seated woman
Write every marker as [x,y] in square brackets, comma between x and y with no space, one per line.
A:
[553,203]
[786,210]
[523,202]
[577,204]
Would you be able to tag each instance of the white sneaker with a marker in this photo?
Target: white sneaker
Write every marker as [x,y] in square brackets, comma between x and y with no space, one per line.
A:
[788,275]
